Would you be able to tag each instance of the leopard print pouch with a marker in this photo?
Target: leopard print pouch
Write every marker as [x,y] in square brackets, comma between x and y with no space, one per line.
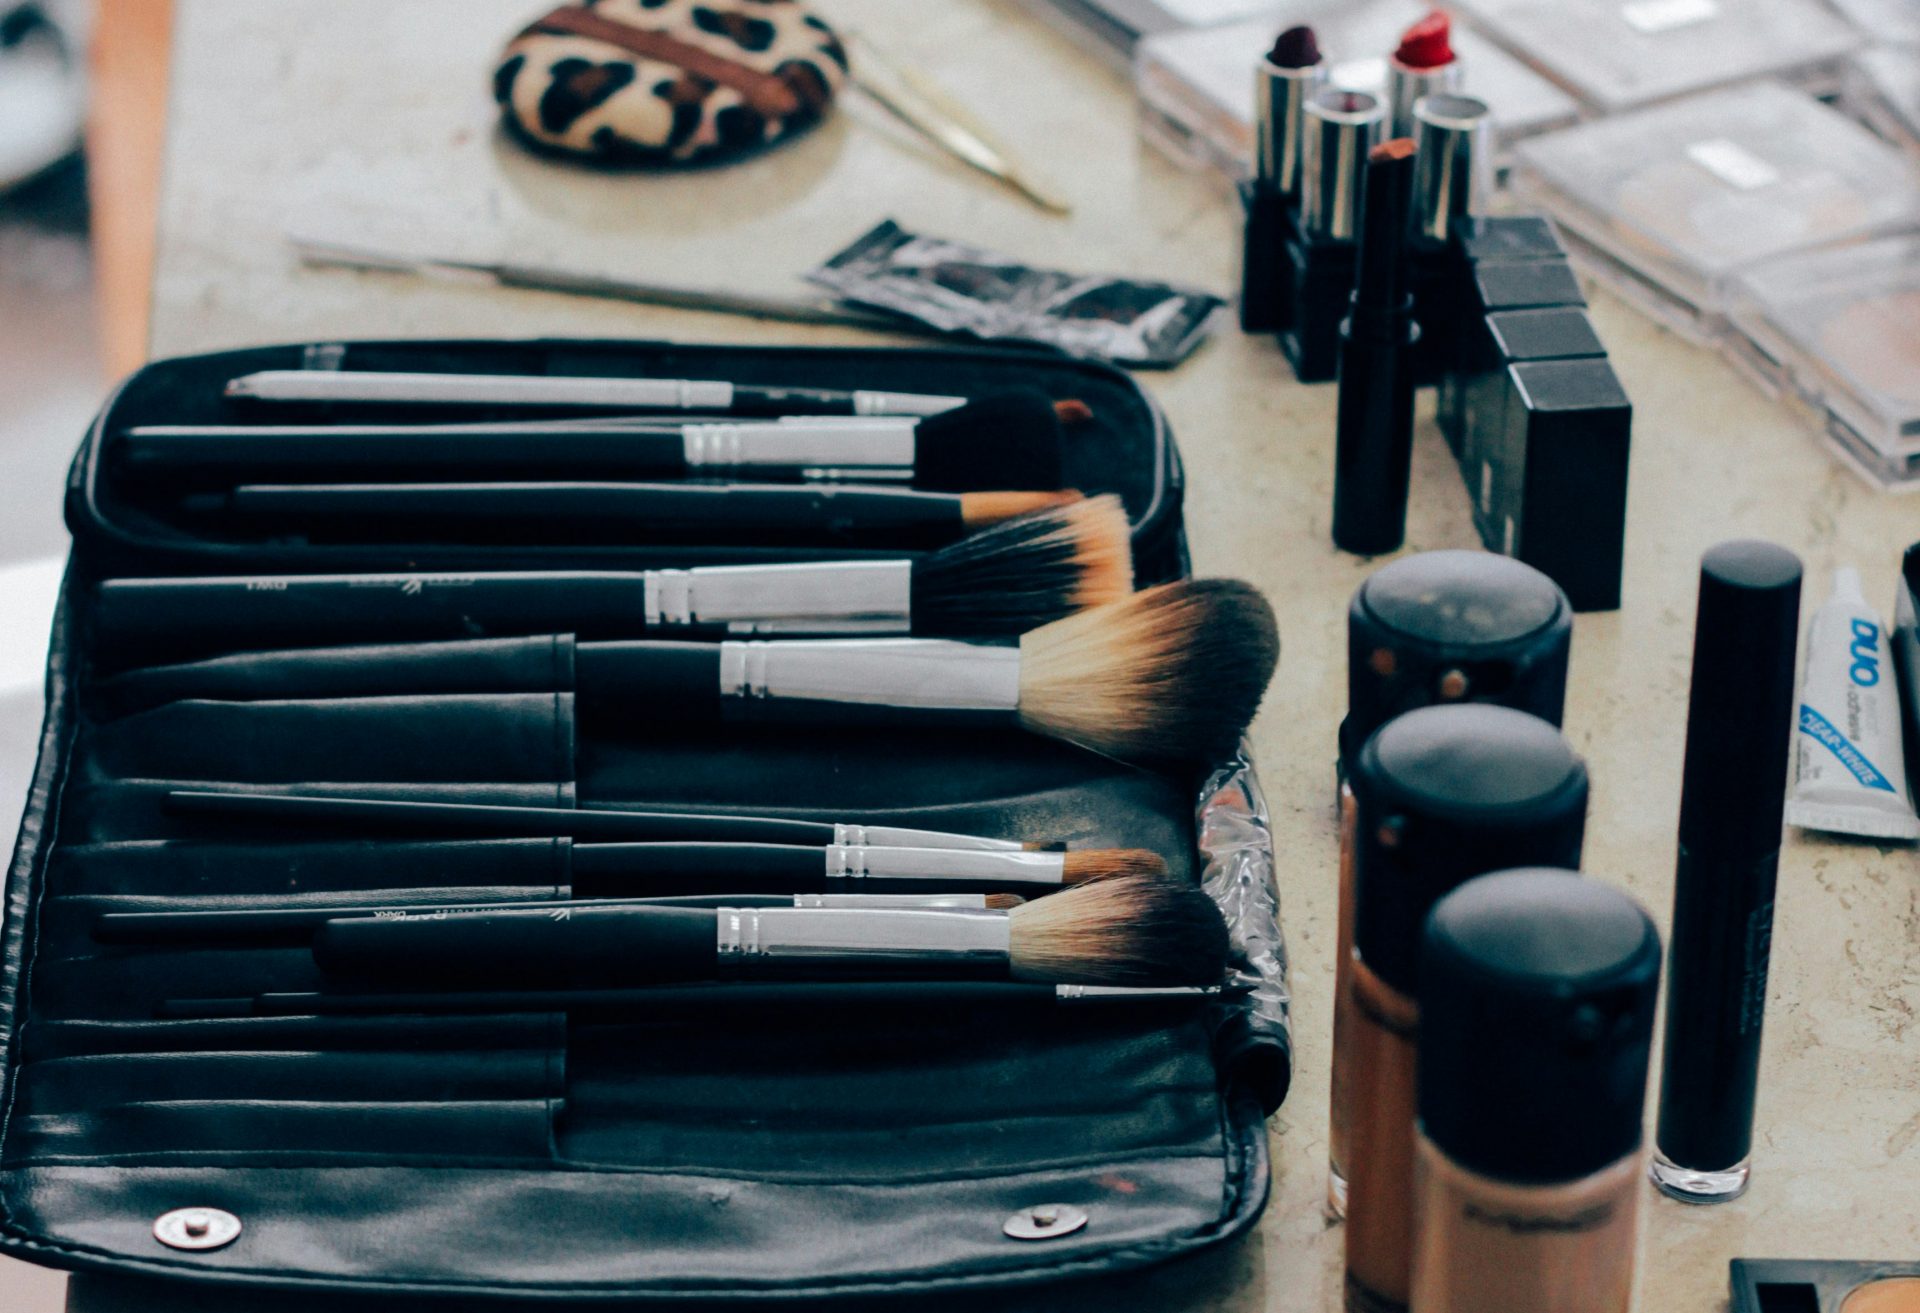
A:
[657,82]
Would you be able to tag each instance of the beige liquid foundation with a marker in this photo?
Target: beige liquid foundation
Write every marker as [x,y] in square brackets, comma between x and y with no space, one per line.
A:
[1441,795]
[1439,627]
[1536,1006]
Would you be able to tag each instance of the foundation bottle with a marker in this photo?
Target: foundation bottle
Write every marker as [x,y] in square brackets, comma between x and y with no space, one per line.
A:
[1536,1016]
[1441,795]
[1431,629]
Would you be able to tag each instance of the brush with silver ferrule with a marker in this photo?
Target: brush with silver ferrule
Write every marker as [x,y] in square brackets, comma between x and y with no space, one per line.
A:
[1133,930]
[1003,580]
[282,926]
[377,816]
[1341,127]
[1173,674]
[1010,439]
[569,392]
[696,1005]
[1424,64]
[1450,163]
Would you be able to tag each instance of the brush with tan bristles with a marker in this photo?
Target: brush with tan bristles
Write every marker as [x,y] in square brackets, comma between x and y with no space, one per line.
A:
[1128,930]
[1171,675]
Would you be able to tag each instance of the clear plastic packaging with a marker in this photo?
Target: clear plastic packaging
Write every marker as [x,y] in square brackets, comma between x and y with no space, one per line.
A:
[1883,87]
[1884,20]
[1675,200]
[1841,329]
[1615,54]
[1196,87]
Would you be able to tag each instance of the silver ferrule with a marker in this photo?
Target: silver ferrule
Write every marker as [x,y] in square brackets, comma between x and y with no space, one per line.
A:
[1406,86]
[1129,993]
[958,902]
[869,597]
[769,939]
[897,836]
[480,389]
[903,403]
[1280,98]
[1448,182]
[928,674]
[1341,127]
[852,862]
[872,448]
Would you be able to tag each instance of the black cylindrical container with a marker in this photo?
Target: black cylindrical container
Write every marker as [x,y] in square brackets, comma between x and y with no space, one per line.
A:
[1733,793]
[1536,1020]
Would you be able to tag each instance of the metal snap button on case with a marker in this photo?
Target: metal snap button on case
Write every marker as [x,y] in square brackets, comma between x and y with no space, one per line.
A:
[1045,1222]
[196,1228]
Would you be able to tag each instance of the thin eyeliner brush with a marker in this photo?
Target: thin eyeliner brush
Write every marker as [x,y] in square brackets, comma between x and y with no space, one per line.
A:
[363,387]
[335,814]
[1005,579]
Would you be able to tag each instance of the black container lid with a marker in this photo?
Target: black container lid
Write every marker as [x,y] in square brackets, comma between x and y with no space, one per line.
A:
[1506,237]
[1562,385]
[1536,1017]
[1454,626]
[1445,794]
[1740,712]
[1523,284]
[1552,334]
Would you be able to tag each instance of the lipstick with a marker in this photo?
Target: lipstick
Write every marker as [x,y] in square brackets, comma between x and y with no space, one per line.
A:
[1373,442]
[1341,128]
[1282,84]
[1449,183]
[1424,64]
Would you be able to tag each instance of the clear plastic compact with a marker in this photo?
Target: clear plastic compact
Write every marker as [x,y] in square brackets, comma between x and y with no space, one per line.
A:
[1670,202]
[1841,329]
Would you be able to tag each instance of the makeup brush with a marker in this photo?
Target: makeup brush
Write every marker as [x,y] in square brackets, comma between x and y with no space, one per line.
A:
[1007,578]
[699,1004]
[381,815]
[1129,930]
[561,391]
[293,926]
[1170,675]
[1010,439]
[733,514]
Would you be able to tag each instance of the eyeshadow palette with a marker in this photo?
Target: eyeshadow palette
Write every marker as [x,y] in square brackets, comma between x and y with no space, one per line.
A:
[1615,55]
[1794,1285]
[1841,328]
[1671,202]
[1196,87]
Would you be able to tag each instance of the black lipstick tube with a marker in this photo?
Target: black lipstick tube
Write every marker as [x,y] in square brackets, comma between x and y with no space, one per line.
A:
[1280,96]
[1373,443]
[1340,128]
[1733,793]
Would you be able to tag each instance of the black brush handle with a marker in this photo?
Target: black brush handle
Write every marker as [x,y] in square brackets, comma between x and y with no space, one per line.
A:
[648,870]
[561,947]
[735,514]
[425,452]
[360,815]
[244,612]
[649,683]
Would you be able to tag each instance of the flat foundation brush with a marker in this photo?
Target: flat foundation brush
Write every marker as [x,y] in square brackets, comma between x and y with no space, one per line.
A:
[1009,440]
[341,815]
[1130,930]
[1003,580]
[1173,674]
[727,514]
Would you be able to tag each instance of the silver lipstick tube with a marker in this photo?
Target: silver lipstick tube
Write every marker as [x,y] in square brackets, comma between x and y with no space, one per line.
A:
[1450,164]
[928,674]
[769,940]
[818,447]
[1405,87]
[847,862]
[1341,127]
[1280,98]
[838,597]
[899,836]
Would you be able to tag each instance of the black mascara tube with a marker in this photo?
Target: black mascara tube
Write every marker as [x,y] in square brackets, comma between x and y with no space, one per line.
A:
[1733,793]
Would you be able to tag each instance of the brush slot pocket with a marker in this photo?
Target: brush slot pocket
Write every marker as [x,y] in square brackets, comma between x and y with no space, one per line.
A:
[537,664]
[97,812]
[173,869]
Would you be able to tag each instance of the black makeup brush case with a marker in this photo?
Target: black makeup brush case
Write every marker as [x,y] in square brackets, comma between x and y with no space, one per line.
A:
[818,1151]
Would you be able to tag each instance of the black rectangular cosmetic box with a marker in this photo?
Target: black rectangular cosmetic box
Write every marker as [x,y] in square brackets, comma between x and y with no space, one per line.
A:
[817,1152]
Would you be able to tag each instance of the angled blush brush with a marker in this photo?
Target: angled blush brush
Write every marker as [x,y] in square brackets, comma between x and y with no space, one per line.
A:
[1003,580]
[347,815]
[1129,930]
[1010,439]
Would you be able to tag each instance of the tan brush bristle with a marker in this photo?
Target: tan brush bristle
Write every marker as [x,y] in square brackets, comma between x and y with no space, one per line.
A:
[1171,674]
[1129,930]
[1024,572]
[1084,864]
[979,509]
[1002,902]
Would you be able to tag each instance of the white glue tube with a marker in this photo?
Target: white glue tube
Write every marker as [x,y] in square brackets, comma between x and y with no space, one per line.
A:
[1850,777]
